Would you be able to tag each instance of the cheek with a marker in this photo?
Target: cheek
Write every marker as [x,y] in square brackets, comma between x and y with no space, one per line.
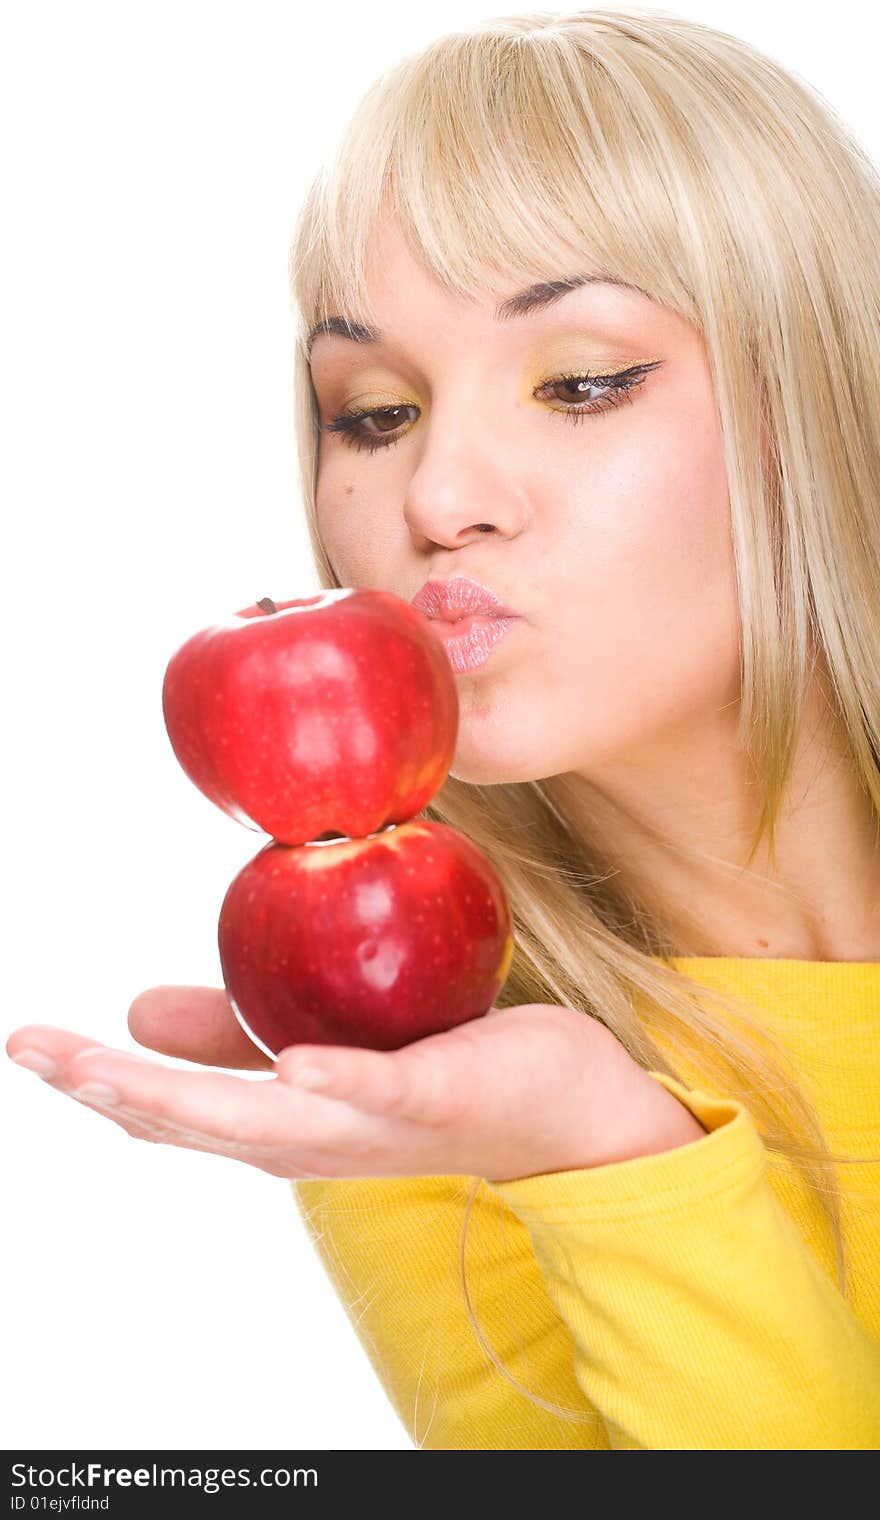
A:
[353,536]
[645,635]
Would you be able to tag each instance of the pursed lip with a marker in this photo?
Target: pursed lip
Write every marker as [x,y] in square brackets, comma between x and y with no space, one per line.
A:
[457,598]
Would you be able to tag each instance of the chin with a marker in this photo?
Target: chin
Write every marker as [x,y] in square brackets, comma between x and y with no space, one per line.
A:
[493,770]
[494,747]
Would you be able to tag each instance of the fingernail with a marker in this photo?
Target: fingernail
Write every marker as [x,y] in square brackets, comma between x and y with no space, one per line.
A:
[96,1092]
[36,1060]
[310,1076]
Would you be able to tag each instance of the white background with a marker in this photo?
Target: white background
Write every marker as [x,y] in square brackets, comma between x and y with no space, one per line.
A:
[154,157]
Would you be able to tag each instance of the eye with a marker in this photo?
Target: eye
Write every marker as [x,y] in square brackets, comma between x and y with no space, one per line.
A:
[355,426]
[354,431]
[588,394]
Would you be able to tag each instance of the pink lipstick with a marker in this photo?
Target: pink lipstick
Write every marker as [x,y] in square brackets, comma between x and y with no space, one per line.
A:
[467,617]
[470,641]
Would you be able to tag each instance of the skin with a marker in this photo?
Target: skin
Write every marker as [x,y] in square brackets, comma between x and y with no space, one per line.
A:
[611,538]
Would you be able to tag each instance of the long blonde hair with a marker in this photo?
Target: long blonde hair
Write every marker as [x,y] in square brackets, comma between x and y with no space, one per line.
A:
[680,159]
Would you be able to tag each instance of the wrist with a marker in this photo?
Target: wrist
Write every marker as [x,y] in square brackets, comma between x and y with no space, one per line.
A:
[639,1118]
[650,1120]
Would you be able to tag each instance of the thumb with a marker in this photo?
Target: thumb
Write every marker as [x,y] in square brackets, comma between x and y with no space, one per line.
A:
[195,1024]
[403,1084]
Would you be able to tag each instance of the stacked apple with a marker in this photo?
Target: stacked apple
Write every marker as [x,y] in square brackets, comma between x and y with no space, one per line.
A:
[329,722]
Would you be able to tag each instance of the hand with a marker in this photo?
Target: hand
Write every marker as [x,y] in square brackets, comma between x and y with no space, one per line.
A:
[521,1091]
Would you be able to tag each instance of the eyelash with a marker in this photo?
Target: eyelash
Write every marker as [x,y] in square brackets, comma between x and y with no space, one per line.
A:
[350,425]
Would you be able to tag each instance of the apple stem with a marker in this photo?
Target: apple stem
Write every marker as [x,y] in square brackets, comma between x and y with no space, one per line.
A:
[267,604]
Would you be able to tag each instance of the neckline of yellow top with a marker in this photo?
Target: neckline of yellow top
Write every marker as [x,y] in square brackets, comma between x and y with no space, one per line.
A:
[765,960]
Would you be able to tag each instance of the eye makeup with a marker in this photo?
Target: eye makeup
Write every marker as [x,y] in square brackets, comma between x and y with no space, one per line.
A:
[354,425]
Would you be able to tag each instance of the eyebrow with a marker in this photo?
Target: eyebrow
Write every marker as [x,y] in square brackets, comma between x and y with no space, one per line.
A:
[534,298]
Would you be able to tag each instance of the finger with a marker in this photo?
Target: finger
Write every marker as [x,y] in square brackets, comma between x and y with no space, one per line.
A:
[195,1024]
[403,1084]
[208,1110]
[252,1130]
[139,1127]
[53,1048]
[280,1136]
[61,1068]
[200,1102]
[48,1052]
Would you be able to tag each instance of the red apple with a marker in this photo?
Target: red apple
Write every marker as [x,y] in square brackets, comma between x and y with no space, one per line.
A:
[370,942]
[335,713]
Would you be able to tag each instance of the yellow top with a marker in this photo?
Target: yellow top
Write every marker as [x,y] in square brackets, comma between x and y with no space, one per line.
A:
[684,1300]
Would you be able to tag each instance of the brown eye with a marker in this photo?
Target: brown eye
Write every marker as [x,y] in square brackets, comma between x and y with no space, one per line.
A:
[389,415]
[581,402]
[384,426]
[578,389]
[355,426]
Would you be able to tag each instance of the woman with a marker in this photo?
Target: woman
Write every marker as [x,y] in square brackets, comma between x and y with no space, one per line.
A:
[655,1159]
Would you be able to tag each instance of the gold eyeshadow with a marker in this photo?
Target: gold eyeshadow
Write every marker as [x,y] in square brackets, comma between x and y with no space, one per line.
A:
[569,352]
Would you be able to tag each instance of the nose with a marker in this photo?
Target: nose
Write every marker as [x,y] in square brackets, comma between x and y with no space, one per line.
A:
[461,484]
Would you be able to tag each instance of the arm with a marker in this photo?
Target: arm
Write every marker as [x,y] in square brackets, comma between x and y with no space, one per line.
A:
[382,1159]
[692,1310]
[390,1247]
[699,1316]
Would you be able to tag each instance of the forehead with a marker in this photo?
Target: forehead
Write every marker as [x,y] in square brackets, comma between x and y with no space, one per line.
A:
[398,281]
[394,268]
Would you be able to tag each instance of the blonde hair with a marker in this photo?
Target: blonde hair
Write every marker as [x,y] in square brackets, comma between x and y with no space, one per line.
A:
[680,159]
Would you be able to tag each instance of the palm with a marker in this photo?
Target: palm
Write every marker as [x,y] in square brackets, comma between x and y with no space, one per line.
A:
[507,1094]
[197,1023]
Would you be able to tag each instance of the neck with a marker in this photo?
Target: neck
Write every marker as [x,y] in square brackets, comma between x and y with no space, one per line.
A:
[676,827]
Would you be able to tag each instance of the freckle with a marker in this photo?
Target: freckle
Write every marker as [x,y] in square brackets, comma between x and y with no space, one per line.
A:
[349,491]
[763,943]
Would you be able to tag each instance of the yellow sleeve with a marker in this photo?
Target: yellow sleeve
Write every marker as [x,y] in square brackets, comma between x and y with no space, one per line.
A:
[699,1316]
[391,1248]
